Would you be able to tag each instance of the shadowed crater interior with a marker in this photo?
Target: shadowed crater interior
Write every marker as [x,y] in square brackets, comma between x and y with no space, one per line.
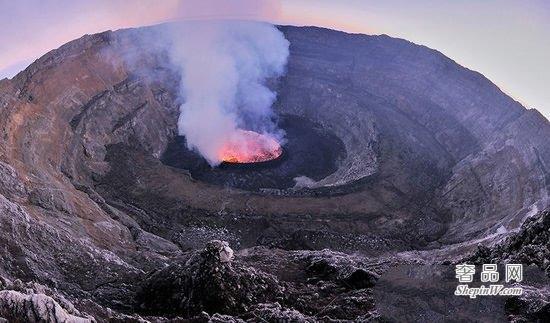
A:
[309,151]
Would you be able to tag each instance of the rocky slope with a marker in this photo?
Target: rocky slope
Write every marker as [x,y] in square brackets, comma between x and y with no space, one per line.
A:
[437,160]
[531,246]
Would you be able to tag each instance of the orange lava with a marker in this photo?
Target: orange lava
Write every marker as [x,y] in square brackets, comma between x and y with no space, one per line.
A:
[250,147]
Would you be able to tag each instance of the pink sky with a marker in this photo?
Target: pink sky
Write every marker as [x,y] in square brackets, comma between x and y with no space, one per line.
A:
[506,40]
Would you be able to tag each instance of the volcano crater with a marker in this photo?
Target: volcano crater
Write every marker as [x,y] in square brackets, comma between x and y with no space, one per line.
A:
[98,192]
[310,153]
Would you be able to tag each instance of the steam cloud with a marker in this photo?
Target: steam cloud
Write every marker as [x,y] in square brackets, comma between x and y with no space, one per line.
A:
[224,66]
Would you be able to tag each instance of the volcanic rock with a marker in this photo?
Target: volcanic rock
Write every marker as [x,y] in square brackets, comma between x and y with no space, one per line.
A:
[36,303]
[531,246]
[275,312]
[206,281]
[532,306]
[340,267]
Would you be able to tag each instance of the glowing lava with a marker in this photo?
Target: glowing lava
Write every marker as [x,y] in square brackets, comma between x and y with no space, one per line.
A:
[250,147]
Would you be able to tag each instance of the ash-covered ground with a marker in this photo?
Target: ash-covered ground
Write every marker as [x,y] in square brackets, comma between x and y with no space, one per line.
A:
[413,164]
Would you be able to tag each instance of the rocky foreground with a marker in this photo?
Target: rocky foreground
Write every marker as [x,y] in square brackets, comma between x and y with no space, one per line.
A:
[433,165]
[261,284]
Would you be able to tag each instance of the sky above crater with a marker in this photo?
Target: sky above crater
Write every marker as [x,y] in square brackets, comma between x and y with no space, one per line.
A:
[506,40]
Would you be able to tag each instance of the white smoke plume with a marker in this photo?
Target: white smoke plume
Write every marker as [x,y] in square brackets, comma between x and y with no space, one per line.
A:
[224,65]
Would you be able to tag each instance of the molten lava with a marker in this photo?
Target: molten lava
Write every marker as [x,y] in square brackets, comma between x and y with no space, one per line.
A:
[250,147]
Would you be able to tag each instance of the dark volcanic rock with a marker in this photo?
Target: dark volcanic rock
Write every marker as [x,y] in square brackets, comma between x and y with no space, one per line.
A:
[341,268]
[531,245]
[532,306]
[425,293]
[206,281]
[240,288]
[276,313]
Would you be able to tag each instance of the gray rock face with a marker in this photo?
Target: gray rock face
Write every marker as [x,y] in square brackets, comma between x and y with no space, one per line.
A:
[10,185]
[429,127]
[18,307]
[36,303]
[437,159]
